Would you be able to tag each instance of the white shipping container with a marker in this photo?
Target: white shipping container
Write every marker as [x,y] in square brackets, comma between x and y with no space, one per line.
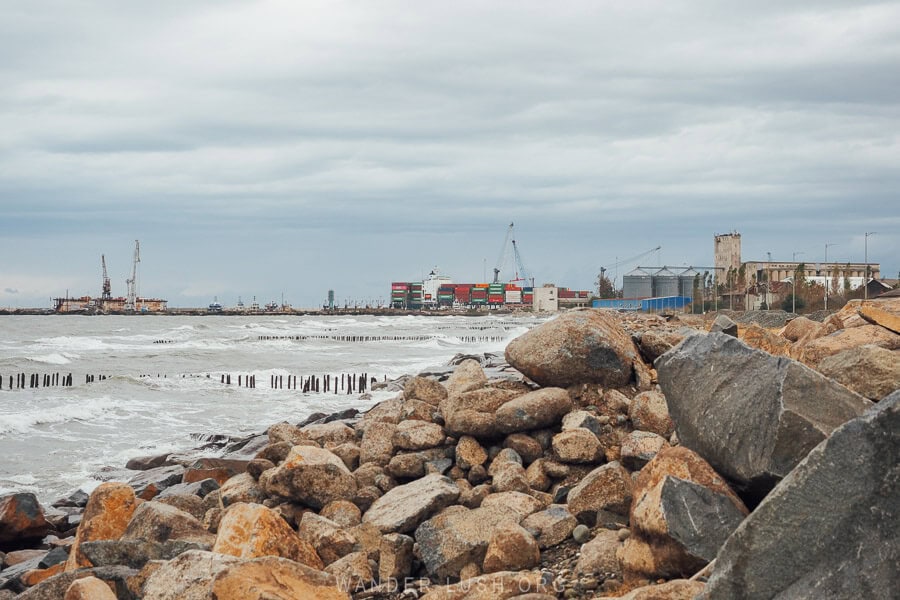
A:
[514,297]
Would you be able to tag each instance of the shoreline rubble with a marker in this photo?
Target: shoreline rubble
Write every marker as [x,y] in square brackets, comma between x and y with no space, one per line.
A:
[605,455]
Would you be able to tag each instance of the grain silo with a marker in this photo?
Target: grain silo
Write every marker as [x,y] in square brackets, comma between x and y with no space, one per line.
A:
[637,284]
[686,282]
[665,283]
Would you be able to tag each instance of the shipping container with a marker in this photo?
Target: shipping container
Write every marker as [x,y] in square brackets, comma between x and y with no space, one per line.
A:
[513,297]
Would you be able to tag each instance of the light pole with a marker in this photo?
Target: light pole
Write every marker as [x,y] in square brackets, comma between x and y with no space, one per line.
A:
[866,278]
[826,274]
[793,281]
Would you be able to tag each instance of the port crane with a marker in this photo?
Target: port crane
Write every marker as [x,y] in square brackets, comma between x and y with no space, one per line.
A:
[106,295]
[130,301]
[510,241]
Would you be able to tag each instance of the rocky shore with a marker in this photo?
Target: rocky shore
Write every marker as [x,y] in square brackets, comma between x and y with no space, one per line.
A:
[609,455]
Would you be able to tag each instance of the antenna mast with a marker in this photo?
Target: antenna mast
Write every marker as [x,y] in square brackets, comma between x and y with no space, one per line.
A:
[132,283]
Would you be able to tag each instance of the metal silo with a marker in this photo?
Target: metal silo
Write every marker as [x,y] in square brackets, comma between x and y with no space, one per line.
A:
[686,282]
[665,283]
[637,284]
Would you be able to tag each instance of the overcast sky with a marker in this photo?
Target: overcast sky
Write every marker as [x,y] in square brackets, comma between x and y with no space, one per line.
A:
[291,147]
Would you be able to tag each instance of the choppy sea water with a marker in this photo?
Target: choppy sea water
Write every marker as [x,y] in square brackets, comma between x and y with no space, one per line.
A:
[55,439]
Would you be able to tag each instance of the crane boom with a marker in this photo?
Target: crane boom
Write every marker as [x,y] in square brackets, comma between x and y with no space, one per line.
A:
[107,288]
[130,301]
[501,261]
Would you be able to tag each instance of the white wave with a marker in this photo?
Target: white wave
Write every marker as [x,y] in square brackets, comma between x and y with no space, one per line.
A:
[73,343]
[54,358]
[27,420]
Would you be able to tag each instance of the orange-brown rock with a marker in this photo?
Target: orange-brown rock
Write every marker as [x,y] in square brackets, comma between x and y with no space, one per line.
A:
[608,487]
[105,517]
[868,370]
[511,548]
[425,390]
[681,504]
[89,588]
[677,589]
[21,517]
[272,578]
[649,412]
[656,558]
[35,576]
[815,351]
[803,328]
[252,530]
[765,340]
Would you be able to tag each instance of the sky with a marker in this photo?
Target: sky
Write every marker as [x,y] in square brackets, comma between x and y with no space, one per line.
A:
[280,149]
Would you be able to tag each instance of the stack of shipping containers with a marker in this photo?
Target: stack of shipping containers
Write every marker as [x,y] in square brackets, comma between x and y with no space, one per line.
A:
[399,294]
[480,294]
[416,295]
[513,294]
[446,295]
[528,295]
[496,293]
[463,293]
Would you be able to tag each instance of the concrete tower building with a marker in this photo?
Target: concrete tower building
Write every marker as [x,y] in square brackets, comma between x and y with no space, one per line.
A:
[727,252]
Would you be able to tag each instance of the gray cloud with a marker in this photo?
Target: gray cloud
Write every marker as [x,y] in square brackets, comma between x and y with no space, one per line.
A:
[275,146]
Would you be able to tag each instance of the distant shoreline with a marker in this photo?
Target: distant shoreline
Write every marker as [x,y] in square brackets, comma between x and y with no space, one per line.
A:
[202,312]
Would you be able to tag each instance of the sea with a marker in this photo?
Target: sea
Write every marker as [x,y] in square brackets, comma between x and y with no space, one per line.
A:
[145,385]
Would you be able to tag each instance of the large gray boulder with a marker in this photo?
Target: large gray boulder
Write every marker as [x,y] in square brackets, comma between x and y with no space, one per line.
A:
[830,528]
[581,346]
[751,415]
[405,506]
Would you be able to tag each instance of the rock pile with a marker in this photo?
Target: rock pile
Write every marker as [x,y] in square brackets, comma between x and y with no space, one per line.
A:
[582,479]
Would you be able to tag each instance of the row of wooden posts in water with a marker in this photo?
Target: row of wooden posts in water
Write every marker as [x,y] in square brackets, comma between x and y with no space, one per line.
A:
[349,383]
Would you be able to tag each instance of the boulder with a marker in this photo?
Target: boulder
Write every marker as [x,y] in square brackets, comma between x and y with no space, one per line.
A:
[654,344]
[142,463]
[511,548]
[417,435]
[829,529]
[551,526]
[197,488]
[883,312]
[467,376]
[418,410]
[458,536]
[330,540]
[55,587]
[273,578]
[599,556]
[525,446]
[425,390]
[649,412]
[655,558]
[352,572]
[342,512]
[469,453]
[21,518]
[105,517]
[158,522]
[313,476]
[542,408]
[395,562]
[473,412]
[135,553]
[348,452]
[723,324]
[677,589]
[285,432]
[802,328]
[187,576]
[403,508]
[579,346]
[252,530]
[219,469]
[89,588]
[870,371]
[582,419]
[242,488]
[524,504]
[679,496]
[814,352]
[751,415]
[577,446]
[151,482]
[608,487]
[639,447]
[377,444]
[329,433]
